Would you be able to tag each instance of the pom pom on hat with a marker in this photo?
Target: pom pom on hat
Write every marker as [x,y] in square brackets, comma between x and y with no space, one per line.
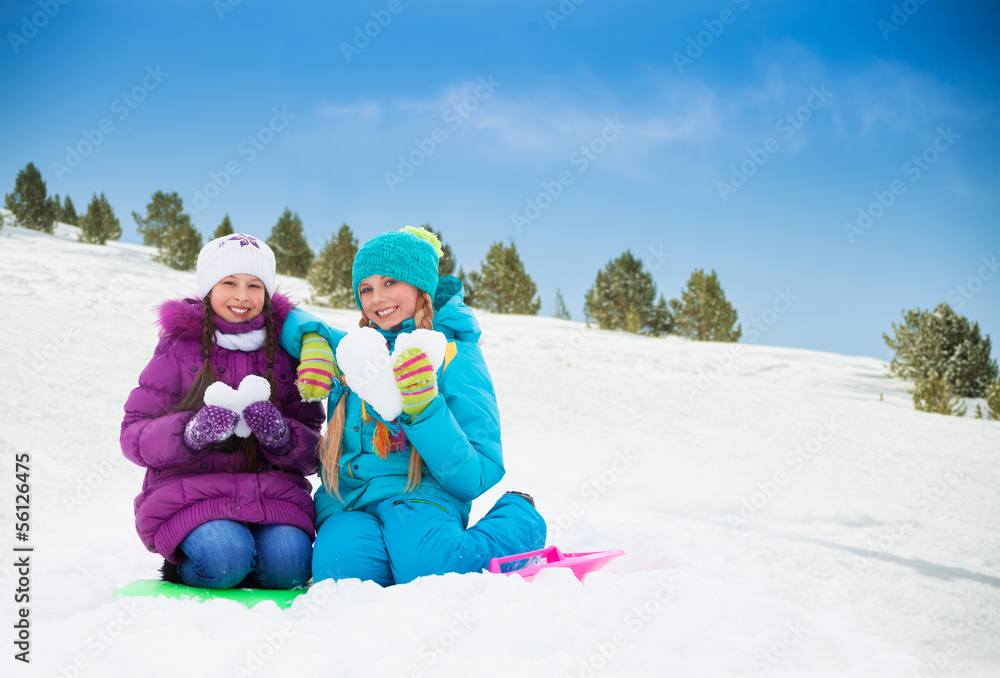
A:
[231,254]
[424,234]
[409,254]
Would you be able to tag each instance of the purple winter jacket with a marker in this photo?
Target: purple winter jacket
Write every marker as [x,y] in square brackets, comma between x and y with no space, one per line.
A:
[182,489]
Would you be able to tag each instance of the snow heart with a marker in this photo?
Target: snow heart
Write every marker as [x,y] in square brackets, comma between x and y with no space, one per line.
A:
[364,358]
[252,389]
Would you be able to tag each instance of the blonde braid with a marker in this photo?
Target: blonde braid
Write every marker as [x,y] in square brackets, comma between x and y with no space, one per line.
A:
[331,446]
[423,318]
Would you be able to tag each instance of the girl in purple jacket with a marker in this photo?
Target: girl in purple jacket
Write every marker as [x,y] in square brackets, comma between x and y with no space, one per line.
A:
[225,499]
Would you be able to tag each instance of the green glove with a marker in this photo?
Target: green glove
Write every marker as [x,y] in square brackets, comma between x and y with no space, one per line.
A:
[317,368]
[416,380]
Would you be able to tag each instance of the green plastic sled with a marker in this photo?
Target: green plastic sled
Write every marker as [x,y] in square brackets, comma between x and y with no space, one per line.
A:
[248,597]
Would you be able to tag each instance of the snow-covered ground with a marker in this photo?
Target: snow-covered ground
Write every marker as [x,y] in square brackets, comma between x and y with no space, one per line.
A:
[779,517]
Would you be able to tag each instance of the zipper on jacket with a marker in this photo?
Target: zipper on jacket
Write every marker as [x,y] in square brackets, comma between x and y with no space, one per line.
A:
[429,503]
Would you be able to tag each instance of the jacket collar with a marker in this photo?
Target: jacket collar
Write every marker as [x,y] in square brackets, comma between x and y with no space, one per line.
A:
[390,335]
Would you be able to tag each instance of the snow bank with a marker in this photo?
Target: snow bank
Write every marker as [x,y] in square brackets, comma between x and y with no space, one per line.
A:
[778,518]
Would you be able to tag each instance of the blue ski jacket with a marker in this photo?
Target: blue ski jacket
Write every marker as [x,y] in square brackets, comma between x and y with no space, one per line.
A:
[458,435]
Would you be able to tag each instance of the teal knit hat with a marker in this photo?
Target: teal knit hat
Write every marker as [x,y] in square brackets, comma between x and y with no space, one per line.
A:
[409,254]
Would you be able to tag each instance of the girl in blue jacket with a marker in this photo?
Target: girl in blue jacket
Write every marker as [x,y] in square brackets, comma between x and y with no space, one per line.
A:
[395,499]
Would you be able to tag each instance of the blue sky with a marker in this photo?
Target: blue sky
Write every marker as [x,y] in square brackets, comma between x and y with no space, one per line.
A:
[834,162]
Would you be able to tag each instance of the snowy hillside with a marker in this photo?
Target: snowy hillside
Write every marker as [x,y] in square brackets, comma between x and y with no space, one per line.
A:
[778,517]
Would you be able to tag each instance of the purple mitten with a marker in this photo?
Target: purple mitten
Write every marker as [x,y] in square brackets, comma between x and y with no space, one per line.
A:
[264,419]
[212,424]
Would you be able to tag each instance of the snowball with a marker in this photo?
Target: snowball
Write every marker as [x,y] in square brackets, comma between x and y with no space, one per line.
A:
[430,342]
[252,389]
[363,357]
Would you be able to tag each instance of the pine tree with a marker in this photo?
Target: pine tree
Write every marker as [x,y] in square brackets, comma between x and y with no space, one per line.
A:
[945,343]
[99,224]
[225,228]
[92,222]
[163,212]
[29,202]
[169,229]
[703,313]
[181,246]
[502,285]
[622,296]
[69,215]
[446,263]
[662,321]
[57,209]
[970,369]
[561,311]
[331,274]
[993,400]
[292,254]
[934,393]
[112,227]
[468,288]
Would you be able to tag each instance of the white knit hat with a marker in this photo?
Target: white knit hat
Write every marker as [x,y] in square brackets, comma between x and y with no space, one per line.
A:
[236,253]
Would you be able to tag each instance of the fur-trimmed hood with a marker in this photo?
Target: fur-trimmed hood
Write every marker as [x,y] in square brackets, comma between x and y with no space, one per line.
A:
[181,318]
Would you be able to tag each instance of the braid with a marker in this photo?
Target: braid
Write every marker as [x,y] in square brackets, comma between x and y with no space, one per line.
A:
[270,344]
[423,317]
[416,471]
[207,327]
[331,445]
[194,399]
[250,446]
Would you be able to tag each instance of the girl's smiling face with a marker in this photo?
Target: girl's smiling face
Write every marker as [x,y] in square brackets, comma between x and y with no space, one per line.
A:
[238,297]
[386,301]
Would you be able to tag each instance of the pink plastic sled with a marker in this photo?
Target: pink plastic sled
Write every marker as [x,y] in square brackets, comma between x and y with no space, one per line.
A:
[529,564]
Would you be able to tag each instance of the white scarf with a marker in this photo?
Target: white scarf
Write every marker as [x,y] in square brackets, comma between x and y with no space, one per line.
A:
[248,341]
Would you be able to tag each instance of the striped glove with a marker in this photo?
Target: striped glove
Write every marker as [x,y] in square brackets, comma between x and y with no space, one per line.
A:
[317,368]
[416,380]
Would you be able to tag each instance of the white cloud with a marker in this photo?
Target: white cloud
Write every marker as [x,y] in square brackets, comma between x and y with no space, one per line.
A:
[560,121]
[889,97]
[547,122]
[498,119]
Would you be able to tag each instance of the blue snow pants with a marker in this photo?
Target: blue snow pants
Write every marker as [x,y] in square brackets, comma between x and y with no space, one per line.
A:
[412,535]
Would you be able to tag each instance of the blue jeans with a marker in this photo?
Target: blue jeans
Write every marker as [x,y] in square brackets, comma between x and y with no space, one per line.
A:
[413,535]
[223,553]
